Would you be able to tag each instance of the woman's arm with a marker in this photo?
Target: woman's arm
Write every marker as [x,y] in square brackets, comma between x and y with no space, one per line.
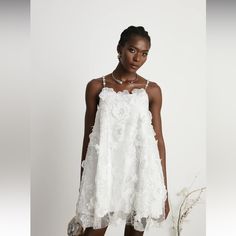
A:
[155,108]
[91,100]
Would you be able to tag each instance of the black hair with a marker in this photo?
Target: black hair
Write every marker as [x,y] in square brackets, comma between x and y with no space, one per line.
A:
[131,31]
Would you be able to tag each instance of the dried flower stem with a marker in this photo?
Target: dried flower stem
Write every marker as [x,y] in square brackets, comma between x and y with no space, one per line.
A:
[185,213]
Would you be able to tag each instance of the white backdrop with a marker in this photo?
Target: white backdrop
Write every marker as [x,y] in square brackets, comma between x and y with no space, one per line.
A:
[75,41]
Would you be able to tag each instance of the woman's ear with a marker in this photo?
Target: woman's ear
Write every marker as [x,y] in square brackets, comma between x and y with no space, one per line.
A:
[118,49]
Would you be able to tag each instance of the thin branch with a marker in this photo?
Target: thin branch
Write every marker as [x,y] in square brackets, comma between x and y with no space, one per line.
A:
[180,209]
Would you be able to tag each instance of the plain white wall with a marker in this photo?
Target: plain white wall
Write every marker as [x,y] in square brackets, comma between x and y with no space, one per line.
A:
[75,41]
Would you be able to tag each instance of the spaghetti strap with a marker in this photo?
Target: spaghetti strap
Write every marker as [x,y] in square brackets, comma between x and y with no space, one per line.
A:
[146,84]
[104,81]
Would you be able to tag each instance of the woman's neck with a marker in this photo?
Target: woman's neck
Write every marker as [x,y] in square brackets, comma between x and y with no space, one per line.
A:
[121,74]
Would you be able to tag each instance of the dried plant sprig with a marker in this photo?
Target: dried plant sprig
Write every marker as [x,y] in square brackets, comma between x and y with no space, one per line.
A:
[183,212]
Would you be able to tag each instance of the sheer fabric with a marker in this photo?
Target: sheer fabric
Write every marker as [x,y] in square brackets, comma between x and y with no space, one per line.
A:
[122,173]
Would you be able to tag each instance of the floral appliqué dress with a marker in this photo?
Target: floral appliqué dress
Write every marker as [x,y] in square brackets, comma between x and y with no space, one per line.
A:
[122,173]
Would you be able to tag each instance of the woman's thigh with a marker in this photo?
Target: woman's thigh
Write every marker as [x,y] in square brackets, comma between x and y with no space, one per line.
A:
[95,232]
[130,231]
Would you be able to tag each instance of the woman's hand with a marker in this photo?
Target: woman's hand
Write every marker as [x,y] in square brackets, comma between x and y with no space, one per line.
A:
[167,208]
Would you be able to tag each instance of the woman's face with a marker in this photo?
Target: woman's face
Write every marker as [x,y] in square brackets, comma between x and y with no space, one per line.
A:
[134,53]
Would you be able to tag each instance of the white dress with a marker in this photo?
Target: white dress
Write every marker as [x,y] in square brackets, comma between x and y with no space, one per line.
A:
[122,173]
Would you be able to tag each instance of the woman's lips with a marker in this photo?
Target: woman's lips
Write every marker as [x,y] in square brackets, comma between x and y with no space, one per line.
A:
[133,66]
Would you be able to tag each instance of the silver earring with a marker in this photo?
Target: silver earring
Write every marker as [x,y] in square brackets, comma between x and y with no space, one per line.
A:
[118,56]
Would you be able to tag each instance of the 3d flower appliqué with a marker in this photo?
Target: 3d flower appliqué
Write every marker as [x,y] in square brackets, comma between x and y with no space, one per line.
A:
[138,140]
[120,110]
[118,132]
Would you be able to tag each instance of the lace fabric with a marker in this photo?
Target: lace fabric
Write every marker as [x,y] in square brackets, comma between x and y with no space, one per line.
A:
[122,177]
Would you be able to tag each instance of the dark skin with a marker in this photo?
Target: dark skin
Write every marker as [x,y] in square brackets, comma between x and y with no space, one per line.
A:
[133,52]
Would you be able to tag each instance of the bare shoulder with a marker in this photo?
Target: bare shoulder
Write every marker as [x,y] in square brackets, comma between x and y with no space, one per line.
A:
[154,88]
[154,92]
[94,86]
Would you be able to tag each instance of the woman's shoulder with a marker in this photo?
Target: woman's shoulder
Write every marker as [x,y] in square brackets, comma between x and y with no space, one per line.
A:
[153,90]
[95,81]
[151,84]
[94,84]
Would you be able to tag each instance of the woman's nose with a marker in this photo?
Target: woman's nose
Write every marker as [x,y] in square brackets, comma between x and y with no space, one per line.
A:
[136,57]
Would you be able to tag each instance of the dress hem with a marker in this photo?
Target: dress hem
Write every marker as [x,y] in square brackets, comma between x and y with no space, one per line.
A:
[117,218]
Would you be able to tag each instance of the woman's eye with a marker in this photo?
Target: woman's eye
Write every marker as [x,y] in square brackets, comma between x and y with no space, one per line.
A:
[131,50]
[145,54]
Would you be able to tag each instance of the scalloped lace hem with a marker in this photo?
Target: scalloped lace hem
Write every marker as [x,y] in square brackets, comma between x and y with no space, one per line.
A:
[115,218]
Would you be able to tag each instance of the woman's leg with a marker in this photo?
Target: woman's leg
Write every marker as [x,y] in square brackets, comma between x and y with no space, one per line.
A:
[95,232]
[130,231]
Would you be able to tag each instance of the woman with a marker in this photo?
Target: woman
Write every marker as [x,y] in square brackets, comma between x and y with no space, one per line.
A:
[123,169]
